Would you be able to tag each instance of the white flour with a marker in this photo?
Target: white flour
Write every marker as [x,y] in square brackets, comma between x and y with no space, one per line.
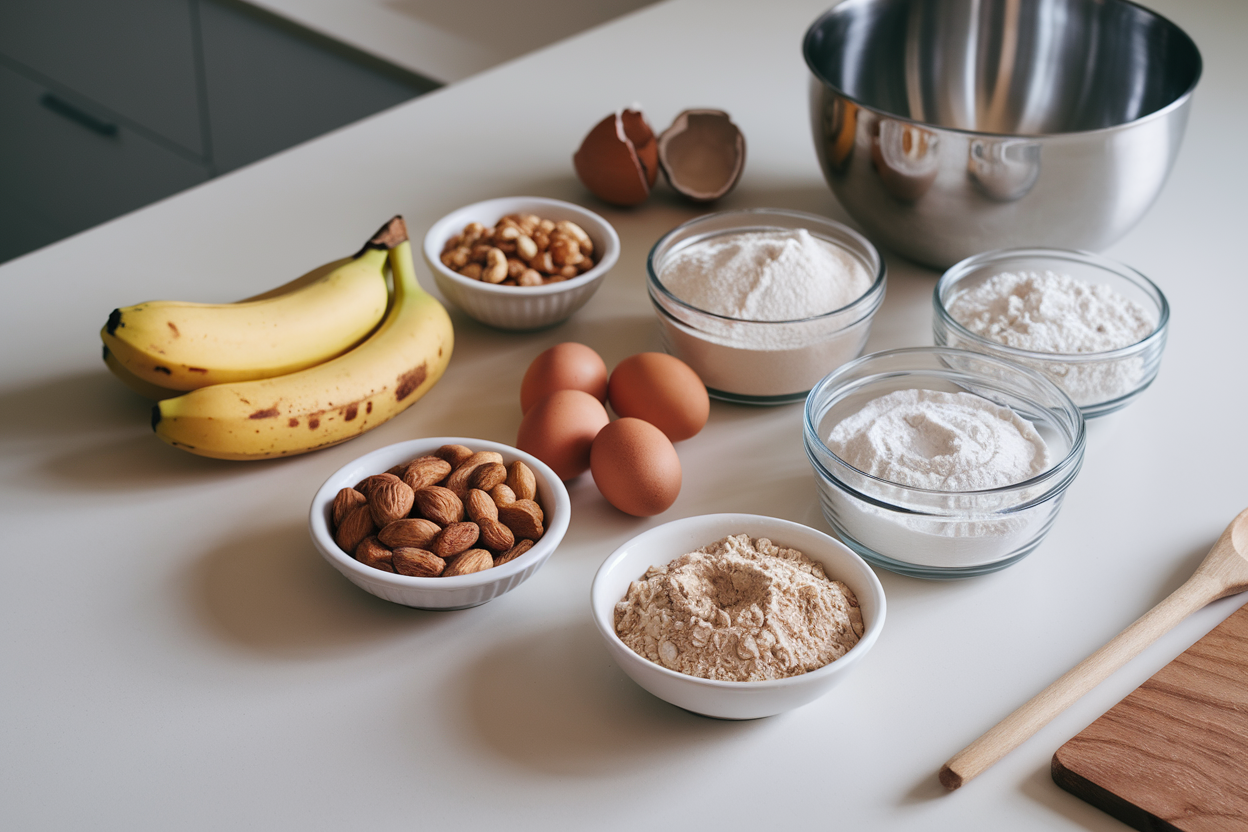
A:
[766,276]
[1055,313]
[784,301]
[940,441]
[1050,312]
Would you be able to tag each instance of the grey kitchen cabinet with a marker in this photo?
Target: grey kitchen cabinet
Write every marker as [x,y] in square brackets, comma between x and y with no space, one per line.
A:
[108,106]
[66,166]
[134,58]
[269,87]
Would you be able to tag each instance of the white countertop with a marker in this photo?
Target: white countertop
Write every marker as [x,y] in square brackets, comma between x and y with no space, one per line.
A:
[448,42]
[177,656]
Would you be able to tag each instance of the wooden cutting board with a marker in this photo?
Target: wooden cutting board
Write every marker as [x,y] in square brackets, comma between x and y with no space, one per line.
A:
[1174,753]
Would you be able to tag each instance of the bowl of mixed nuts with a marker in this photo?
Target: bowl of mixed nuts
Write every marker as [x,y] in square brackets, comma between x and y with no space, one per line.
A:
[440,523]
[520,263]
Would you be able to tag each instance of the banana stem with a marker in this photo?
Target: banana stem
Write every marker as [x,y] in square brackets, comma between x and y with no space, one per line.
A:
[388,236]
[404,270]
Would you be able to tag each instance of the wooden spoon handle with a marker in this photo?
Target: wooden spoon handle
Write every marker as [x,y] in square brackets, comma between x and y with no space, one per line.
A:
[1037,712]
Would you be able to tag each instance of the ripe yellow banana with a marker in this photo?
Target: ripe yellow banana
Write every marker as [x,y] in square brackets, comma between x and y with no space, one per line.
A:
[183,346]
[156,392]
[144,388]
[331,402]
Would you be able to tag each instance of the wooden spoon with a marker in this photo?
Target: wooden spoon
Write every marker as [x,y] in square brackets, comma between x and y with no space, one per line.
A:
[1223,572]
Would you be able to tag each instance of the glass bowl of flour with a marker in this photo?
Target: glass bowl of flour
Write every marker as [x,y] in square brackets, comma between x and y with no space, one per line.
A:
[763,303]
[941,463]
[1094,326]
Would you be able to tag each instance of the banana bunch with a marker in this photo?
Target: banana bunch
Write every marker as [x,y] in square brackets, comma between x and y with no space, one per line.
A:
[309,364]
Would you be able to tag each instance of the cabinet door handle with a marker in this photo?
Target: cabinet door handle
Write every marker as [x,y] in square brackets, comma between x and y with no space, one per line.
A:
[79,116]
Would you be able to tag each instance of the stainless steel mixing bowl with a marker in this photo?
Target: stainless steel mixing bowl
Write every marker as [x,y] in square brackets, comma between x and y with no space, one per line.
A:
[950,127]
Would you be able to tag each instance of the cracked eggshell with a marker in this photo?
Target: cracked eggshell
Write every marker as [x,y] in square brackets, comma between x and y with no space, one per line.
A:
[702,154]
[619,160]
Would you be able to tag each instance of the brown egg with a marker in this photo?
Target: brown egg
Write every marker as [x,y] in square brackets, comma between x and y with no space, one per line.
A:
[619,160]
[566,366]
[702,154]
[560,429]
[662,390]
[635,467]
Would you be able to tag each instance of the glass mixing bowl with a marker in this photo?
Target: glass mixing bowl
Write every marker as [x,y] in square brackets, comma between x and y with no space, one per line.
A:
[942,534]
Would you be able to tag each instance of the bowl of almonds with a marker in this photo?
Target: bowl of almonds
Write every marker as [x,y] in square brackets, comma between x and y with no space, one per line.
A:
[441,523]
[522,262]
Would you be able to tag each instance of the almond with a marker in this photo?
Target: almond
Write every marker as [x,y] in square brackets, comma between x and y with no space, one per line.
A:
[514,552]
[454,454]
[455,539]
[370,552]
[460,480]
[480,505]
[523,517]
[417,563]
[409,532]
[356,525]
[502,495]
[424,472]
[390,500]
[495,536]
[474,560]
[439,505]
[489,475]
[522,481]
[344,501]
[365,486]
[480,458]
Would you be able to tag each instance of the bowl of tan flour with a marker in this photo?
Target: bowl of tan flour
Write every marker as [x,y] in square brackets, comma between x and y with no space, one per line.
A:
[736,616]
[941,463]
[763,303]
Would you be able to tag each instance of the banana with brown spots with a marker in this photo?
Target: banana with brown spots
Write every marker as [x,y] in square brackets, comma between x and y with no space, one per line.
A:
[330,402]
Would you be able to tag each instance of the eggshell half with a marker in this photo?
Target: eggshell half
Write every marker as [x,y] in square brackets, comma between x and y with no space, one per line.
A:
[611,160]
[635,467]
[702,154]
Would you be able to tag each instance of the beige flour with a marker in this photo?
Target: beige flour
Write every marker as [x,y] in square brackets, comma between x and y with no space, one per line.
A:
[739,610]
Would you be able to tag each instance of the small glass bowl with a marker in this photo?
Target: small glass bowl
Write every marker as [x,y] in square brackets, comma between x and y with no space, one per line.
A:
[942,534]
[763,362]
[1098,382]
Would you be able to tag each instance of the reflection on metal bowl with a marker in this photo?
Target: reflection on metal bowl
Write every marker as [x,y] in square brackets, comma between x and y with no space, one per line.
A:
[906,158]
[950,127]
[1004,169]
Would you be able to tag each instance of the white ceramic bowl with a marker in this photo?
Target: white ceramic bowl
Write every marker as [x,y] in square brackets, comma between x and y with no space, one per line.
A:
[455,592]
[732,700]
[520,307]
